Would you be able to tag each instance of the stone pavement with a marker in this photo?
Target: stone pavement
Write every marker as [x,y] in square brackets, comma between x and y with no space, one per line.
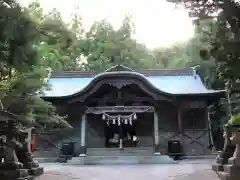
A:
[185,170]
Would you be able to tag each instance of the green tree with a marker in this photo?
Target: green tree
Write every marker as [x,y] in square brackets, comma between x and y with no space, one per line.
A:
[105,47]
[174,56]
[21,77]
[225,41]
[59,45]
[224,50]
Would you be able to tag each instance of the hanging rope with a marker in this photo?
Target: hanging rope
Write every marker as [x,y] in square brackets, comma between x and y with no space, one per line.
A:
[98,113]
[118,119]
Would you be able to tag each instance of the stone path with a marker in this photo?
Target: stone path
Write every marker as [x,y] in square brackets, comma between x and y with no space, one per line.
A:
[186,170]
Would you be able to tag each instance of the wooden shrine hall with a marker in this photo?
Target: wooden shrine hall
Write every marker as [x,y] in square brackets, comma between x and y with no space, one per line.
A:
[122,108]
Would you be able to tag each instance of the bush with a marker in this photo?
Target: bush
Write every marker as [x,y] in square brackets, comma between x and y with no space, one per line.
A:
[235,120]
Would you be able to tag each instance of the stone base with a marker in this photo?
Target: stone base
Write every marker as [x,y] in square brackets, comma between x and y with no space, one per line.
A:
[35,171]
[11,166]
[23,178]
[222,161]
[83,150]
[13,174]
[157,148]
[226,176]
[229,172]
[231,169]
[62,159]
[217,167]
[32,164]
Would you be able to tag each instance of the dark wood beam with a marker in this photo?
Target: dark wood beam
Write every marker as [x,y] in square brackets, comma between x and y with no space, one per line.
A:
[117,109]
[122,100]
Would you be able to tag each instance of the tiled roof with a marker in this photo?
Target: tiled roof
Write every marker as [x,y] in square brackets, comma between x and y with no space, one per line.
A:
[175,82]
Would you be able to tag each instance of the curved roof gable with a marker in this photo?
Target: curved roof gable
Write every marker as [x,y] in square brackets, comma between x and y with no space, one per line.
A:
[173,82]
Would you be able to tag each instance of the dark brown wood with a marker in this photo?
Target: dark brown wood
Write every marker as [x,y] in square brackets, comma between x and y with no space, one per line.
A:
[122,83]
[122,99]
[193,142]
[180,126]
[117,109]
[188,104]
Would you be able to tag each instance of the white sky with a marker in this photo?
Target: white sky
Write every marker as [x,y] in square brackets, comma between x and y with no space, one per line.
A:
[157,22]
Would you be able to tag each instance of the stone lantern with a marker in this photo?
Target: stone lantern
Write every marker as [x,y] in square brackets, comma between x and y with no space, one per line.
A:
[230,169]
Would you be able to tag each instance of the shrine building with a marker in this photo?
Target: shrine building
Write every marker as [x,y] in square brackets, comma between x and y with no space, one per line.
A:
[123,108]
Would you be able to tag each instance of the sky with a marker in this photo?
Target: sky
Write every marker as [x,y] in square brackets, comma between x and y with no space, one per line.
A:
[157,22]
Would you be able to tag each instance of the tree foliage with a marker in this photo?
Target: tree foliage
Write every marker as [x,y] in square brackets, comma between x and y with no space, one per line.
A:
[224,39]
[104,47]
[32,42]
[57,45]
[21,76]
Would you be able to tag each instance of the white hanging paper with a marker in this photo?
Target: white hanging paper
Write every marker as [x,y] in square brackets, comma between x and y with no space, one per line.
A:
[119,122]
[134,138]
[125,121]
[134,116]
[114,121]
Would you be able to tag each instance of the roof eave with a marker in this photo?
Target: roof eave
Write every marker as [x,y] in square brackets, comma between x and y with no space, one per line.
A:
[212,93]
[219,93]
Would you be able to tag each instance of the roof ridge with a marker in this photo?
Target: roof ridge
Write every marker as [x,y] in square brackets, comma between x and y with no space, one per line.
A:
[162,69]
[85,74]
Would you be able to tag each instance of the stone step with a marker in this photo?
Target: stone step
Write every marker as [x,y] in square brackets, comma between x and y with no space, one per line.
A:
[116,149]
[46,159]
[121,160]
[231,169]
[127,148]
[49,153]
[118,152]
[223,175]
[22,178]
[196,157]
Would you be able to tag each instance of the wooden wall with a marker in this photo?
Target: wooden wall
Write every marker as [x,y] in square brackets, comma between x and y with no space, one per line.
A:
[194,139]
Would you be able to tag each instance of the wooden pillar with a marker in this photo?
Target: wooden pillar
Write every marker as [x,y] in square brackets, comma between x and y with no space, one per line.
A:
[180,126]
[29,139]
[211,143]
[83,135]
[83,130]
[156,134]
[120,137]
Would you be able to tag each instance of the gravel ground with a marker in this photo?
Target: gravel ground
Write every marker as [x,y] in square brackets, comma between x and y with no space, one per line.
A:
[185,170]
